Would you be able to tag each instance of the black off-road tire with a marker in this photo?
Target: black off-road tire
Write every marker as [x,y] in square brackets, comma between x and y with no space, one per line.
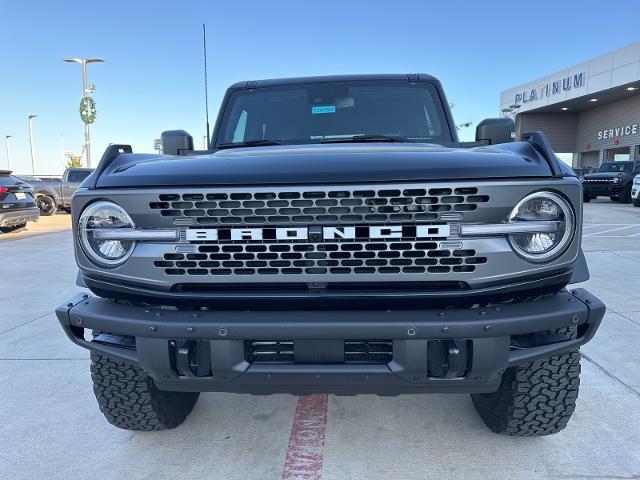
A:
[534,399]
[636,202]
[625,196]
[586,198]
[46,205]
[129,399]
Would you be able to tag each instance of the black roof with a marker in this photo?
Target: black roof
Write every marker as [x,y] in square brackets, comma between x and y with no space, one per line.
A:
[333,78]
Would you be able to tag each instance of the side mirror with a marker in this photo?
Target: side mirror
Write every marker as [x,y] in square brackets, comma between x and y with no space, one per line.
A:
[492,131]
[176,141]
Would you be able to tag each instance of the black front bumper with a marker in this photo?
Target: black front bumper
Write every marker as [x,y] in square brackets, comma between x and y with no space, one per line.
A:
[9,218]
[602,190]
[159,340]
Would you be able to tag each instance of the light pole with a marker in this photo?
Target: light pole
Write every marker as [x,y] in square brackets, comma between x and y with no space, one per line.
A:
[85,93]
[6,142]
[33,153]
[62,146]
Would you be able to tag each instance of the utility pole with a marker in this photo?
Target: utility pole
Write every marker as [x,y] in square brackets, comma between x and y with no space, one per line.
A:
[86,103]
[6,142]
[33,153]
[62,146]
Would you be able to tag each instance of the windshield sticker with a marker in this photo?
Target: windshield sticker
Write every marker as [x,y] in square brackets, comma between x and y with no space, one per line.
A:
[323,109]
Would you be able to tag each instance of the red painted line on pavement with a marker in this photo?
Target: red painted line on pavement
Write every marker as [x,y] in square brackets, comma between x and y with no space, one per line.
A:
[306,442]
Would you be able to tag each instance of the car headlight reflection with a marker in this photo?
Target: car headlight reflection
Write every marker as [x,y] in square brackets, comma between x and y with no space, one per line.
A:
[105,215]
[545,207]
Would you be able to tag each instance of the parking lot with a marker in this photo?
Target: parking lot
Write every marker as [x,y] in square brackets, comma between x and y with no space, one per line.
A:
[50,425]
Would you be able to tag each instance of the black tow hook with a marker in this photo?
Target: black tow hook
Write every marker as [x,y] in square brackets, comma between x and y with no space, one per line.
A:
[448,358]
[192,357]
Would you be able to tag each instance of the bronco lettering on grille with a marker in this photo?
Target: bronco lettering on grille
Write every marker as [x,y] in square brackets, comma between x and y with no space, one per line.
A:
[319,233]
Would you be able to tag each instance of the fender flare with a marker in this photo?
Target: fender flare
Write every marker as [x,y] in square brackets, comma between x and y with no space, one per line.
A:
[581,269]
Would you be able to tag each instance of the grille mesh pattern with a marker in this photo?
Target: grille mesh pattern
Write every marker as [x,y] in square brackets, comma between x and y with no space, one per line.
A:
[328,207]
[355,351]
[274,351]
[370,351]
[383,257]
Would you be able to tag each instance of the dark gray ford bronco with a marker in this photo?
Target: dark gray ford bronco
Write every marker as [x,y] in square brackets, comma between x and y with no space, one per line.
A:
[335,238]
[613,179]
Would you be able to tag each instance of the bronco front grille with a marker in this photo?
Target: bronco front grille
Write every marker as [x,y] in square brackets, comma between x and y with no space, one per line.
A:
[328,207]
[345,258]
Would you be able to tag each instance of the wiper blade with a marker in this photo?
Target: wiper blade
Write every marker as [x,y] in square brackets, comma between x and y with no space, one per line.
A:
[251,143]
[365,138]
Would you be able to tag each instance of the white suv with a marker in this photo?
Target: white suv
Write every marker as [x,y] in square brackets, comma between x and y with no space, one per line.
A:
[635,191]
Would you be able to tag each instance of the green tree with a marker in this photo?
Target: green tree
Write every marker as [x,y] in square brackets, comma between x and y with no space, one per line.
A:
[460,126]
[74,161]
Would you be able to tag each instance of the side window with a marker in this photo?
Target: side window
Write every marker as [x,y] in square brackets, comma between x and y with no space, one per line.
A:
[241,126]
[78,176]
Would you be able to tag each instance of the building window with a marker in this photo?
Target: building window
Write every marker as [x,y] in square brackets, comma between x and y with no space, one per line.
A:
[566,158]
[589,159]
[620,154]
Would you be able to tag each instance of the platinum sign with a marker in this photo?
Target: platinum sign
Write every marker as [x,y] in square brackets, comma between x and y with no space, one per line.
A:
[550,89]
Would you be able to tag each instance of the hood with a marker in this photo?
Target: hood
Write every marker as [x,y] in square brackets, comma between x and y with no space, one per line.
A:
[602,175]
[325,164]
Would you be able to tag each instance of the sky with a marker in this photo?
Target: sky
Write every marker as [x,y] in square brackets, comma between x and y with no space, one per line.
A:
[152,76]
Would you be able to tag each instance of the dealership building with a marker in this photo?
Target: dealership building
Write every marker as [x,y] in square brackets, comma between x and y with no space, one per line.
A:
[590,112]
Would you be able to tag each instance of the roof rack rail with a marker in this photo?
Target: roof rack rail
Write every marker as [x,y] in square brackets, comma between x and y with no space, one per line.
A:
[538,140]
[110,154]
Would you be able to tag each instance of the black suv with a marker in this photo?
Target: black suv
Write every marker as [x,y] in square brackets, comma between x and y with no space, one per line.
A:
[613,180]
[336,238]
[17,206]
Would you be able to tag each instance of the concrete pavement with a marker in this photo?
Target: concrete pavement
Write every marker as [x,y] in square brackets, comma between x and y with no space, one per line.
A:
[50,425]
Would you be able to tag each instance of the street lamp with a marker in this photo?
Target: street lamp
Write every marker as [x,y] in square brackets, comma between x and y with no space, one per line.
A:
[33,154]
[85,93]
[6,142]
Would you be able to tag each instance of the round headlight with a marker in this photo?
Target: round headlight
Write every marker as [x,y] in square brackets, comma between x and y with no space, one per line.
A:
[544,245]
[99,216]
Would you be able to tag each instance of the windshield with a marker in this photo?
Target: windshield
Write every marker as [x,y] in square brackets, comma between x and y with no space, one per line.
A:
[616,167]
[298,114]
[6,180]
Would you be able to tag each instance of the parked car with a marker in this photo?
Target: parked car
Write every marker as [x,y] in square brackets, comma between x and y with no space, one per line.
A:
[337,238]
[53,194]
[613,180]
[17,205]
[635,191]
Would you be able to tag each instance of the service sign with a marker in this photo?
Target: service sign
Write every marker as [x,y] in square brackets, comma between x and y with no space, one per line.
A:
[620,131]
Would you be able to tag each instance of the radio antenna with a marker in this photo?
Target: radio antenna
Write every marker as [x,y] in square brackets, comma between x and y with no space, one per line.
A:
[206,91]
